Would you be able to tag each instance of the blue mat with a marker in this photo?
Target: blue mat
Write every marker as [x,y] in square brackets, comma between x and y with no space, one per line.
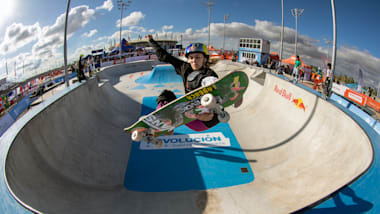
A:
[139,87]
[160,74]
[162,170]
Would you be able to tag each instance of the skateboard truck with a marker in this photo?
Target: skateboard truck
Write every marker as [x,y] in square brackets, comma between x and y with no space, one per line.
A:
[214,104]
[144,135]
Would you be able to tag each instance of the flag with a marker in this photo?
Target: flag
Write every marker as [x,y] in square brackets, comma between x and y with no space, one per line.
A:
[325,61]
[360,85]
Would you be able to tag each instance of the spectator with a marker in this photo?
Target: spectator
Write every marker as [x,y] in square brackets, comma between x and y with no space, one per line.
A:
[328,78]
[80,73]
[280,70]
[296,68]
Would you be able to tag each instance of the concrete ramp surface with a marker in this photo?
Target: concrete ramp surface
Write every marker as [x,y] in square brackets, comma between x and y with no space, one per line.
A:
[72,155]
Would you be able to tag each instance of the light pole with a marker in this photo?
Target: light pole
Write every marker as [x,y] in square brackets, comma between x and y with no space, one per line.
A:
[282,29]
[333,57]
[65,45]
[181,40]
[122,6]
[209,4]
[224,29]
[296,12]
[328,43]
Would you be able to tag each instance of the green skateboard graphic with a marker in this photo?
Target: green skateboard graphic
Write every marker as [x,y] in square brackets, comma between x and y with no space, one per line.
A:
[211,98]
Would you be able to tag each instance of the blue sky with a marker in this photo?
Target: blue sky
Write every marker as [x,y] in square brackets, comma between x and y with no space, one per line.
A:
[31,31]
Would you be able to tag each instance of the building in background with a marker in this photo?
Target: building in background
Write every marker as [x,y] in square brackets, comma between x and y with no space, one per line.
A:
[164,43]
[254,50]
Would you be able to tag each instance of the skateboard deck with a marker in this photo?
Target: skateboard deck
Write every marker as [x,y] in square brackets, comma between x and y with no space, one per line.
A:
[214,97]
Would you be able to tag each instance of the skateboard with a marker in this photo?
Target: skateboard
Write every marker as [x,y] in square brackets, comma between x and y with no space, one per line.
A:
[211,98]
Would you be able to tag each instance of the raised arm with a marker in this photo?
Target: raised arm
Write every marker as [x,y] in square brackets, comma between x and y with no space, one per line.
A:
[163,55]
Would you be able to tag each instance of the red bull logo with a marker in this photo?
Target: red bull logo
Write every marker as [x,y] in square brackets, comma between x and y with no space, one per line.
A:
[283,92]
[299,104]
[289,96]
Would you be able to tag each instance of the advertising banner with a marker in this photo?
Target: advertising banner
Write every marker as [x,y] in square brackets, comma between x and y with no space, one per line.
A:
[355,96]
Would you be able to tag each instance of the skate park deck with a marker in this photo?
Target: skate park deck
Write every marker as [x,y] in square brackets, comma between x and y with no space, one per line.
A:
[70,155]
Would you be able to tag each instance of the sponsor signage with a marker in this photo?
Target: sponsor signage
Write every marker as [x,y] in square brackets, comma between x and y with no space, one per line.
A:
[355,96]
[339,89]
[157,124]
[373,104]
[289,96]
[189,141]
[201,92]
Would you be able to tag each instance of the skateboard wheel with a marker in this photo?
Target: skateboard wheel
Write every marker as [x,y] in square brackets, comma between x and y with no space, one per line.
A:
[208,100]
[136,135]
[224,117]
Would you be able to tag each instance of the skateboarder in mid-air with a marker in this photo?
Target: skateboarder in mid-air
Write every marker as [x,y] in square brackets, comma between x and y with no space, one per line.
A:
[195,74]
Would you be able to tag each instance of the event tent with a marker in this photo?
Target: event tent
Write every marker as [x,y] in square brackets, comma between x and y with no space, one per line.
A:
[292,60]
[124,47]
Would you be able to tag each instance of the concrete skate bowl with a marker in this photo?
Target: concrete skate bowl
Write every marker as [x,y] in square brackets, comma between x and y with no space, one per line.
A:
[161,74]
[71,157]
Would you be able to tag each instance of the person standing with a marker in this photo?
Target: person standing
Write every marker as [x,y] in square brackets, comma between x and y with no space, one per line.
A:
[80,74]
[328,79]
[296,68]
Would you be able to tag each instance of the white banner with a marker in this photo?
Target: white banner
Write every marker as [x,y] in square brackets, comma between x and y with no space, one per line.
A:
[203,140]
[339,89]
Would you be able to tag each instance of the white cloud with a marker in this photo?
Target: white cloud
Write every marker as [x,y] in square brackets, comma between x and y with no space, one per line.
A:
[51,37]
[89,34]
[124,34]
[167,27]
[78,18]
[133,19]
[137,29]
[45,52]
[85,50]
[107,5]
[18,35]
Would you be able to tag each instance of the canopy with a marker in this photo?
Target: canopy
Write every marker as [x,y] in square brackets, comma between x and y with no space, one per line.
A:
[124,47]
[274,56]
[292,60]
[211,48]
